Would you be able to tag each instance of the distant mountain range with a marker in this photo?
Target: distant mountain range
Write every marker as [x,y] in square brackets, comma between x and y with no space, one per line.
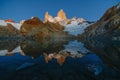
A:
[60,26]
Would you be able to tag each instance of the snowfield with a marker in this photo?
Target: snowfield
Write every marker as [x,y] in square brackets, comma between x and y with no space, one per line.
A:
[76,27]
[16,25]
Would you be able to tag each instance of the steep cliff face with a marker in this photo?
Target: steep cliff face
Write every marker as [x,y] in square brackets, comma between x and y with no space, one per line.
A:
[38,29]
[48,18]
[74,26]
[61,16]
[108,26]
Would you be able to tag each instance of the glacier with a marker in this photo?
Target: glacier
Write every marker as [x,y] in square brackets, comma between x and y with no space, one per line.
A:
[76,27]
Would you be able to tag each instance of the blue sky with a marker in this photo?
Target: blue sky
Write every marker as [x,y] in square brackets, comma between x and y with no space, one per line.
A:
[18,10]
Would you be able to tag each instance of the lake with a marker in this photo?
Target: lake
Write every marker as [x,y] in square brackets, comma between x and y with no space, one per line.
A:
[59,59]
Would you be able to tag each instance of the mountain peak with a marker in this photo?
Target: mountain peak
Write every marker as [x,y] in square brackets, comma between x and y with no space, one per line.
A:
[35,19]
[48,17]
[61,10]
[61,14]
[9,20]
[60,17]
[32,21]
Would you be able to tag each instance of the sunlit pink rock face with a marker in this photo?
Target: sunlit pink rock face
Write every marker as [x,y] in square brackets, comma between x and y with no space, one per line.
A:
[61,16]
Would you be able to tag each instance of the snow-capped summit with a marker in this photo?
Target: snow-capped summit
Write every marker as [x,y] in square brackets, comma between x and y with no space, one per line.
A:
[9,20]
[4,23]
[73,26]
[22,21]
[76,26]
[58,19]
[81,20]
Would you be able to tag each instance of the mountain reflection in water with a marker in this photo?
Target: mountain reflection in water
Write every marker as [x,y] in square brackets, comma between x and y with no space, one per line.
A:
[55,59]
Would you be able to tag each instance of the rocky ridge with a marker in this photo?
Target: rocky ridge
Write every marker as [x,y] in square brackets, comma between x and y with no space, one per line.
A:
[108,26]
[36,28]
[51,27]
[74,26]
[61,16]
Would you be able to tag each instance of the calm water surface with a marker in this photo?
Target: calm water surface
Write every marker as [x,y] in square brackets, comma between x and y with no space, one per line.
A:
[59,59]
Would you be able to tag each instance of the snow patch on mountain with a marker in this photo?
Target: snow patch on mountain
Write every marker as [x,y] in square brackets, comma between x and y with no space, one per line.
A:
[16,25]
[76,27]
[73,26]
[3,23]
[118,5]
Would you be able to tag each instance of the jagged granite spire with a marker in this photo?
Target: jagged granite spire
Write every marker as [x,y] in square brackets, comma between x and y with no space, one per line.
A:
[48,17]
[61,14]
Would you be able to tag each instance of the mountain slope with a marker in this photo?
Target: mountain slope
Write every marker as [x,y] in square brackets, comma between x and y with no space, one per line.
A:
[51,27]
[5,22]
[36,28]
[76,26]
[108,26]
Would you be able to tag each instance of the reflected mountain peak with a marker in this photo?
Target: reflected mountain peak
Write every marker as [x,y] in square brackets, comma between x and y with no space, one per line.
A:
[57,49]
[68,55]
[60,58]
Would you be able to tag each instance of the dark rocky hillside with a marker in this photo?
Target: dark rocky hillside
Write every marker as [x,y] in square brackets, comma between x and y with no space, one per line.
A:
[108,26]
